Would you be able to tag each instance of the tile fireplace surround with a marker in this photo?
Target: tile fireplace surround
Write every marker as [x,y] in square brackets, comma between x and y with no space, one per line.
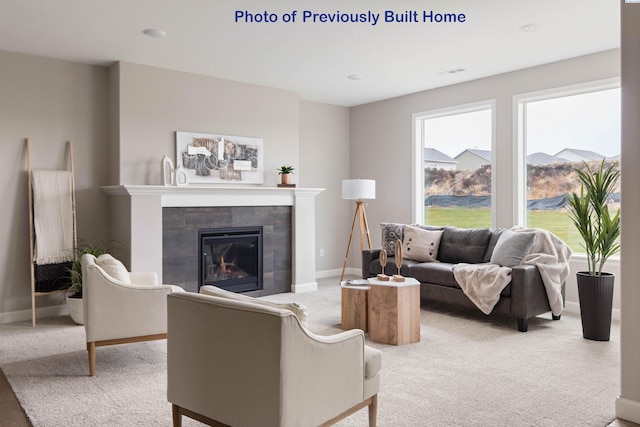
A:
[136,218]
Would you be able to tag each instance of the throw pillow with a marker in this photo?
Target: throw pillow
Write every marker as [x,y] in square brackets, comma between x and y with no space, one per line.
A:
[512,247]
[391,232]
[419,244]
[113,268]
[299,310]
[495,235]
[466,245]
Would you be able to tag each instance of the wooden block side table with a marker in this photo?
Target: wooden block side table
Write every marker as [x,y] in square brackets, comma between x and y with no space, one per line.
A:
[354,307]
[394,311]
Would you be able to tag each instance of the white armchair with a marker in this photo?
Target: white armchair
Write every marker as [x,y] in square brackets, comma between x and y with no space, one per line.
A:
[239,363]
[119,306]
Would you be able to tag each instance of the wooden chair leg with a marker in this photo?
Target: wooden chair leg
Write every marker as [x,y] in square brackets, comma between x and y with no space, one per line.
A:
[91,349]
[177,416]
[373,411]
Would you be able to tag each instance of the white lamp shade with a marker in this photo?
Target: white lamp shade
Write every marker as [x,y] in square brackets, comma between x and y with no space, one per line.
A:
[358,189]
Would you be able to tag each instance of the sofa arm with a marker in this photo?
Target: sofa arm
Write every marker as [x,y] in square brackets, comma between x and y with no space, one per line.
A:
[369,255]
[528,293]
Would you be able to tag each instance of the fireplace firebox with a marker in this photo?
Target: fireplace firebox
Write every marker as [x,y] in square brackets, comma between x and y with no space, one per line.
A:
[231,258]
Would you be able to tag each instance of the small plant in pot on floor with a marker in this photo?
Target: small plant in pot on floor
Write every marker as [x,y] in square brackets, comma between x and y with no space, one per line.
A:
[600,232]
[73,296]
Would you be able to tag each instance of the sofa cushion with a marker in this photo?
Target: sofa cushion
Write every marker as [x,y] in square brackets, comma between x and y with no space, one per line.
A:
[495,235]
[439,273]
[391,268]
[429,227]
[372,361]
[391,232]
[512,247]
[463,245]
[420,244]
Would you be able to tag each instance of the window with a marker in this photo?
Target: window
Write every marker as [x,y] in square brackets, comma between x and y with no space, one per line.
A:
[560,132]
[452,166]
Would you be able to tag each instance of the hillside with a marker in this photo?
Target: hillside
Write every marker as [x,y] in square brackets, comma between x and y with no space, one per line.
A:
[544,181]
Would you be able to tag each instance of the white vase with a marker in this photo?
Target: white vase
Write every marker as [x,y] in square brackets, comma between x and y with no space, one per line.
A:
[167,171]
[75,307]
[181,178]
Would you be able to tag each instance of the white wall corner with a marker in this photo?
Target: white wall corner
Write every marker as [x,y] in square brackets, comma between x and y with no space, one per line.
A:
[336,272]
[628,410]
[304,287]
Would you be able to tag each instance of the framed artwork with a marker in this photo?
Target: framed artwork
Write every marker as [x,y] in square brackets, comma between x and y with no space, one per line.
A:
[220,159]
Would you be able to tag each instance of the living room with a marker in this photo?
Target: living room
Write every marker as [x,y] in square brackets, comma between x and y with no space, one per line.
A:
[128,113]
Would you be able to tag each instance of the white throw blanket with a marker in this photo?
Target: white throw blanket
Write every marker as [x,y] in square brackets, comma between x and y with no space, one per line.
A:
[551,255]
[483,283]
[52,216]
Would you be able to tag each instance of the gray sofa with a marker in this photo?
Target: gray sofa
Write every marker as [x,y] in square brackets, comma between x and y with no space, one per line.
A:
[525,297]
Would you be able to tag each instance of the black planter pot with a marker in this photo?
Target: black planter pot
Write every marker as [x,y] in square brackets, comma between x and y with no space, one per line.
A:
[596,300]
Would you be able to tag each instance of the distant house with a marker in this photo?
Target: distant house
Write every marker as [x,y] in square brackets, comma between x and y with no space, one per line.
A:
[575,155]
[471,159]
[539,158]
[437,159]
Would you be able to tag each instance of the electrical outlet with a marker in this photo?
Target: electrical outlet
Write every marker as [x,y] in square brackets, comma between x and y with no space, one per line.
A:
[321,252]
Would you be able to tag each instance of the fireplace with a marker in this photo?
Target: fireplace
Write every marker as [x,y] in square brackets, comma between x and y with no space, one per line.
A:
[231,258]
[161,224]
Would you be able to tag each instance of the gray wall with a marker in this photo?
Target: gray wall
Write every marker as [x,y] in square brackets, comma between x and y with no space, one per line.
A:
[50,102]
[628,406]
[154,103]
[313,137]
[129,113]
[122,120]
[381,132]
[324,163]
[53,101]
[386,127]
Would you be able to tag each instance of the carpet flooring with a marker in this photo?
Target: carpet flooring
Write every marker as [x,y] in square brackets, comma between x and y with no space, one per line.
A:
[467,370]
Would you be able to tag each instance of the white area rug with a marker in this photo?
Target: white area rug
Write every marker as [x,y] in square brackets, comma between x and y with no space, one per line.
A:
[467,370]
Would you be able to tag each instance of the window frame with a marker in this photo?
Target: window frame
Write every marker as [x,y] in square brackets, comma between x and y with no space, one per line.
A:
[417,152]
[519,135]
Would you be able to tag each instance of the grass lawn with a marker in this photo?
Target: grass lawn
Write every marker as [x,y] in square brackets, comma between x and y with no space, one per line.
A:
[555,221]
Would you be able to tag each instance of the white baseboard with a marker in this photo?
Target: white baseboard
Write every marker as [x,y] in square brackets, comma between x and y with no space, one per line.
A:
[41,313]
[574,308]
[570,307]
[304,287]
[628,410]
[338,272]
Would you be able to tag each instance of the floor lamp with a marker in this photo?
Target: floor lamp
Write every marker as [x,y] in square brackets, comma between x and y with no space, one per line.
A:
[358,190]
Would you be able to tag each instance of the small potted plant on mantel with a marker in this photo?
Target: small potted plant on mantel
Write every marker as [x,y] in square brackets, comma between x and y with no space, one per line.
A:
[285,173]
[600,232]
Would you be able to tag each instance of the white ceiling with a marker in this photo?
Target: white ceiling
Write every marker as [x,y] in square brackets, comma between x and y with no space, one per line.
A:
[314,59]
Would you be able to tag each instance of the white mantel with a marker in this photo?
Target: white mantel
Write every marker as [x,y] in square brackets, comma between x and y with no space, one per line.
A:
[136,217]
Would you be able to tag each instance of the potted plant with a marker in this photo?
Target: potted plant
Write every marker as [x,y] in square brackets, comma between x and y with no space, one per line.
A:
[285,172]
[73,295]
[600,232]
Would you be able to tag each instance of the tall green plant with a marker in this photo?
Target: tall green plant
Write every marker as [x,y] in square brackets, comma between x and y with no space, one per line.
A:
[95,249]
[590,214]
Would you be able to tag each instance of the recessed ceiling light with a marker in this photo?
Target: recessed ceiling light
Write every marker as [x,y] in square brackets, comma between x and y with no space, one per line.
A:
[452,71]
[154,32]
[355,77]
[531,28]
